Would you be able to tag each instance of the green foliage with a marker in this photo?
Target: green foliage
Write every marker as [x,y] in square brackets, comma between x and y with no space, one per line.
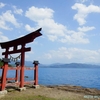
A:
[28,98]
[10,65]
[1,63]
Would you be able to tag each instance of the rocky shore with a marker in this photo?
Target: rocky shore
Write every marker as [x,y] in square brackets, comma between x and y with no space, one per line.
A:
[61,92]
[77,89]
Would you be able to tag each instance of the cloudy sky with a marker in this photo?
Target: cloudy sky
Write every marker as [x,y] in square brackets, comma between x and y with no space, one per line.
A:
[70,28]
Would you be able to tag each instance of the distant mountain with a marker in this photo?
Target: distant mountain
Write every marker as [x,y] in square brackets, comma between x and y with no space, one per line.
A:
[71,65]
[60,65]
[29,63]
[80,65]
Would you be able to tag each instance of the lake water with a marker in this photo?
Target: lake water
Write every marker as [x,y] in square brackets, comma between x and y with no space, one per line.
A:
[86,77]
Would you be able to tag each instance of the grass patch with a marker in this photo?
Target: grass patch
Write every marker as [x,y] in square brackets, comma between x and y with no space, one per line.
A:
[39,97]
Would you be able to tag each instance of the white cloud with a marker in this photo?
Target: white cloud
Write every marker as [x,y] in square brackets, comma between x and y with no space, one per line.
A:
[85,29]
[37,14]
[8,17]
[28,28]
[53,30]
[2,5]
[17,11]
[1,50]
[75,37]
[52,37]
[51,27]
[3,24]
[68,55]
[83,11]
[3,38]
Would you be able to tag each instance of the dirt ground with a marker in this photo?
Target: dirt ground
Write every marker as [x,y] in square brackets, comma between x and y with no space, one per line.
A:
[63,92]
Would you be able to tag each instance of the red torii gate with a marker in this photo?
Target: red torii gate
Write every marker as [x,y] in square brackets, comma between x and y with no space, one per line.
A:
[15,43]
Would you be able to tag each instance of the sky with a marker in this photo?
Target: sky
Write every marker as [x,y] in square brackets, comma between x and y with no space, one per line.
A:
[70,29]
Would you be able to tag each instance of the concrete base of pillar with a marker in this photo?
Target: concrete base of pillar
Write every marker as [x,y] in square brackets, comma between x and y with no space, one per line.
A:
[36,86]
[22,89]
[2,93]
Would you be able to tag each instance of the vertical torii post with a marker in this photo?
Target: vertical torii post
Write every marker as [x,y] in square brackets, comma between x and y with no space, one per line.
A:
[22,66]
[16,75]
[15,43]
[4,74]
[36,73]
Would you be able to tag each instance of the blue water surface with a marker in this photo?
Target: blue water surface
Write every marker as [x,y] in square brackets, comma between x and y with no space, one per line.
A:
[86,77]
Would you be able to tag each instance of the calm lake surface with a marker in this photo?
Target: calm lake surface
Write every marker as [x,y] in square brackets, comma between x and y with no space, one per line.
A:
[86,77]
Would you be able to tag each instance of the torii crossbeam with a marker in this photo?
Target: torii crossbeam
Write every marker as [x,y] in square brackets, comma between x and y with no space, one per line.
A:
[15,43]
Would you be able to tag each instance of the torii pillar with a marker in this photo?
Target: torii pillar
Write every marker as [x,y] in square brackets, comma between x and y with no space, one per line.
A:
[15,43]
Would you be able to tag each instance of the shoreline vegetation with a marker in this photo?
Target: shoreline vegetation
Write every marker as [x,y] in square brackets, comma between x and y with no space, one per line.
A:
[56,92]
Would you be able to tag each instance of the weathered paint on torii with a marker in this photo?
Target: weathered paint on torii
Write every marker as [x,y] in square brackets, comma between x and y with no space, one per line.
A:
[15,43]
